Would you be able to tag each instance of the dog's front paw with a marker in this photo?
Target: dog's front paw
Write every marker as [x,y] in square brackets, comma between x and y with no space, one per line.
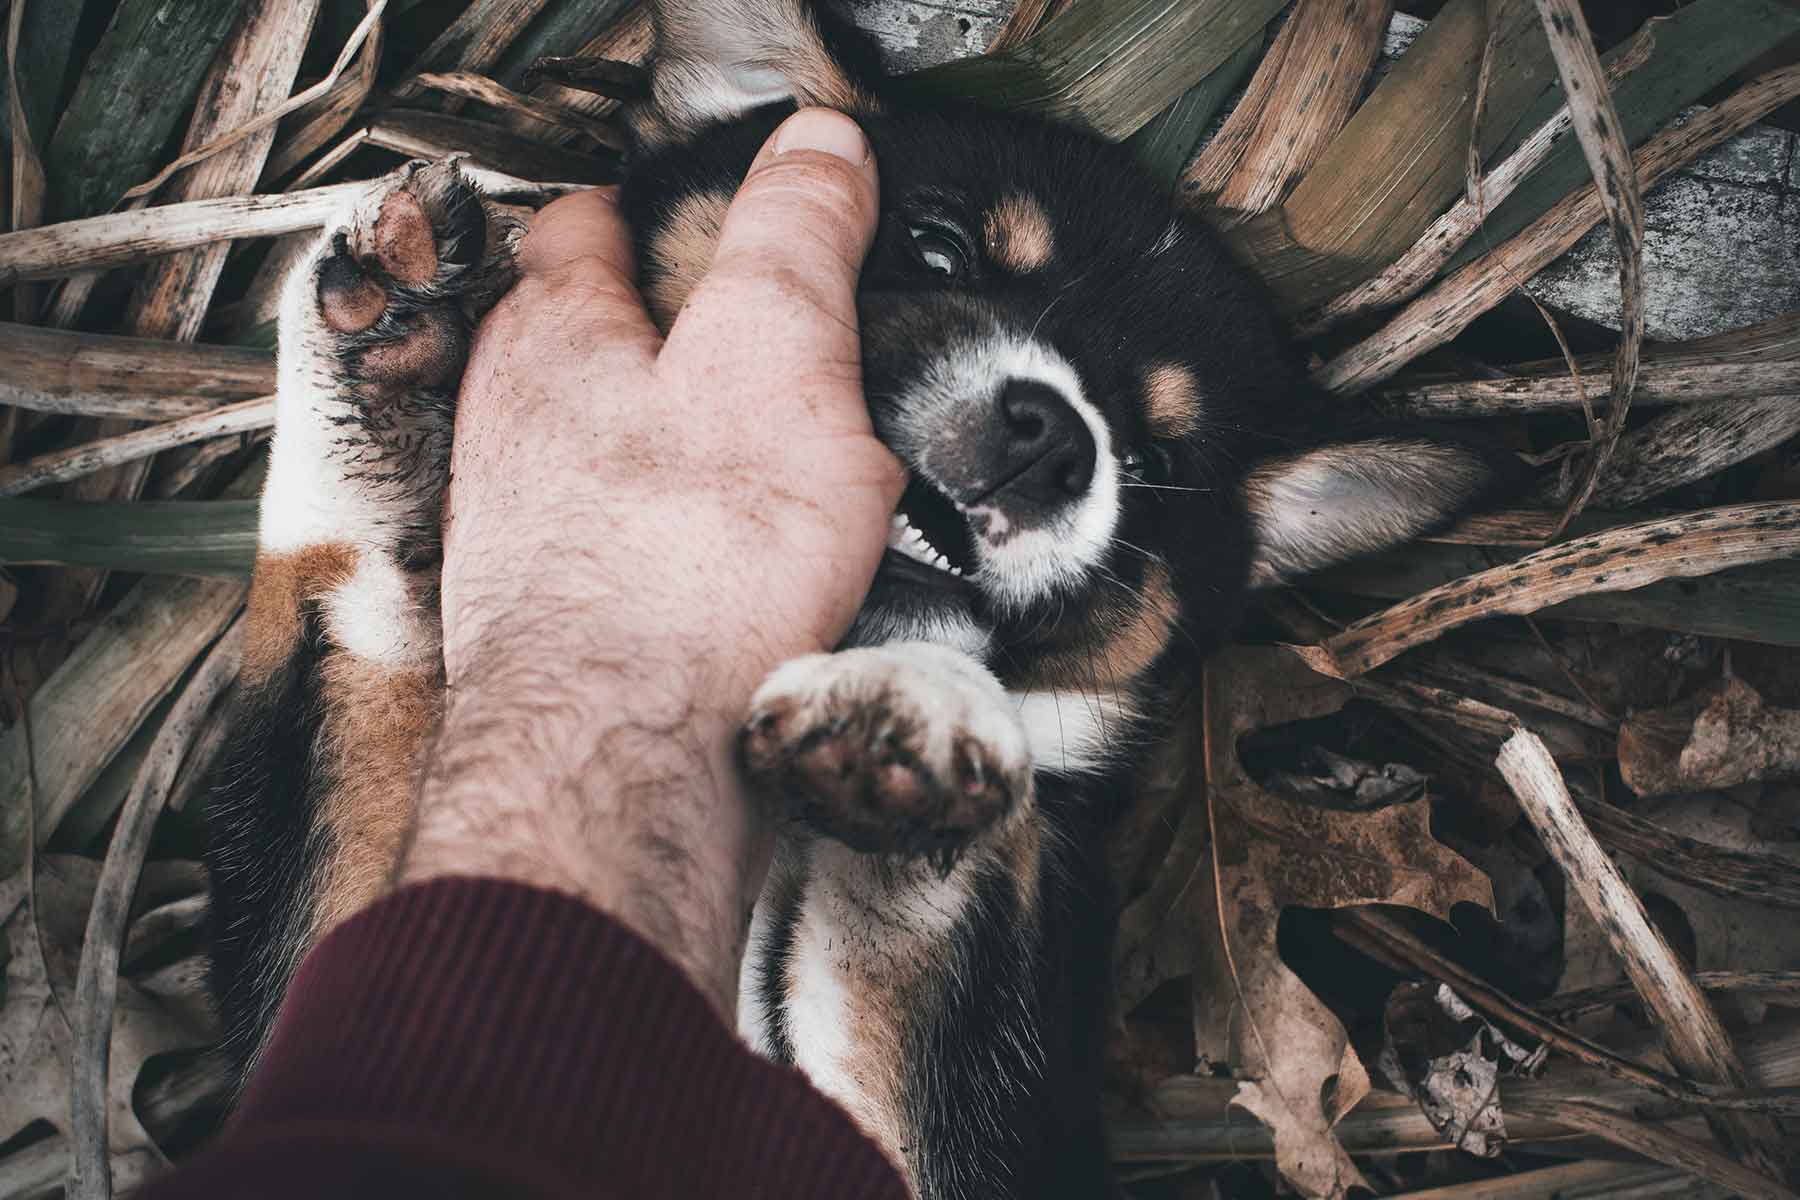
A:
[375,328]
[910,749]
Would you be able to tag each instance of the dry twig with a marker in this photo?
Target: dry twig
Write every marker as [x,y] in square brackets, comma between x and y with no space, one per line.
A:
[1298,100]
[1696,1042]
[97,982]
[116,239]
[1447,309]
[364,29]
[88,457]
[1450,232]
[1608,153]
[1618,560]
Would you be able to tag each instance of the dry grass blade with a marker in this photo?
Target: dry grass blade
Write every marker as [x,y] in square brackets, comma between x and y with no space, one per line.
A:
[78,461]
[135,89]
[102,404]
[479,87]
[207,538]
[97,981]
[1025,19]
[1569,1005]
[1672,1149]
[120,238]
[474,40]
[629,40]
[1298,100]
[250,128]
[1450,232]
[1358,209]
[1678,547]
[1692,443]
[27,168]
[1443,670]
[1447,309]
[1759,603]
[1608,153]
[116,239]
[1760,360]
[421,134]
[144,377]
[95,700]
[1695,1040]
[251,75]
[1111,65]
[335,109]
[1737,874]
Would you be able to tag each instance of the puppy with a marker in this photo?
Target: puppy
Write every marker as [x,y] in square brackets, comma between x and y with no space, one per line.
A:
[1109,448]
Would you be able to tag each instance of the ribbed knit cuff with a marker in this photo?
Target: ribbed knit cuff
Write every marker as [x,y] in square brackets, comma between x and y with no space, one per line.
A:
[522,1023]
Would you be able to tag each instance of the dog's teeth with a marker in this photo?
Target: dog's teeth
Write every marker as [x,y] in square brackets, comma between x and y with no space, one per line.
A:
[905,537]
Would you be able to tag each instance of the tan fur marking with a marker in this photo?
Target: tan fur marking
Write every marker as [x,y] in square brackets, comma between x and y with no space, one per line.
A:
[895,975]
[1137,632]
[281,584]
[1017,234]
[875,1010]
[1172,400]
[682,251]
[376,720]
[819,81]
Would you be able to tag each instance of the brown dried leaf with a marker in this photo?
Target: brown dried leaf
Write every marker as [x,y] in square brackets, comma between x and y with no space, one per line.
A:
[1722,738]
[35,1043]
[1439,1052]
[1298,1072]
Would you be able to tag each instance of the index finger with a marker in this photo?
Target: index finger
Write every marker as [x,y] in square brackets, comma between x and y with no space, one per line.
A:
[579,250]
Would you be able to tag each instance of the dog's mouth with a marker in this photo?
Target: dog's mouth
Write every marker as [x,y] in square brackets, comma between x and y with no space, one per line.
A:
[929,541]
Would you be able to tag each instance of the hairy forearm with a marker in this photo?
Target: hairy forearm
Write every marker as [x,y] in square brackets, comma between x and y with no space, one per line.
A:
[606,773]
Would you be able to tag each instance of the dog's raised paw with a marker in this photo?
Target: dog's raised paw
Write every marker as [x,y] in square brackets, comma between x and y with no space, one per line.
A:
[375,329]
[908,749]
[407,273]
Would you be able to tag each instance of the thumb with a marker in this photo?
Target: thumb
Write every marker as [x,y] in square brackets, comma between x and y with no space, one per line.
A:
[793,243]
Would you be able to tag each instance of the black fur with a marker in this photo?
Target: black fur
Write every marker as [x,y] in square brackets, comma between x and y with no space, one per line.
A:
[1003,1065]
[264,846]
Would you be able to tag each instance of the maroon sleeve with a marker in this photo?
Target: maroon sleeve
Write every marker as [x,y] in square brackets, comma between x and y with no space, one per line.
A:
[471,1037]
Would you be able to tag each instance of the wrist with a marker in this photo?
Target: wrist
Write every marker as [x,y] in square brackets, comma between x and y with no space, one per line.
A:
[606,775]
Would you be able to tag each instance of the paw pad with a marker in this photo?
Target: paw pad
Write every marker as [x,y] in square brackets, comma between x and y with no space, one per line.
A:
[909,764]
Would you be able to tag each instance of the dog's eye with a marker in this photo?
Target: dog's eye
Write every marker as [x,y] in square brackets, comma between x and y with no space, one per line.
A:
[1149,464]
[938,252]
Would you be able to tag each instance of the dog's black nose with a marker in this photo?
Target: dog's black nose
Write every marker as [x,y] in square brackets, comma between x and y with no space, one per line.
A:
[1048,447]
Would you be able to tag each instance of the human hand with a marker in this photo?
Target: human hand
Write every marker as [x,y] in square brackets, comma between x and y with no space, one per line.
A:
[638,531]
[721,494]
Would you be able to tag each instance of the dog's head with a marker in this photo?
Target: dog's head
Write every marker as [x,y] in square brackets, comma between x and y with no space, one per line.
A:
[1109,443]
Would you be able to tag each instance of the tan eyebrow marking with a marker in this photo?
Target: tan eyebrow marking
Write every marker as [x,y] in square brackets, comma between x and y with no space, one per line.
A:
[1017,234]
[1172,400]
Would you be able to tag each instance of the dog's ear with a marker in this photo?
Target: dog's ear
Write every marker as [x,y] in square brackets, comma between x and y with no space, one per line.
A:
[718,59]
[1327,505]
